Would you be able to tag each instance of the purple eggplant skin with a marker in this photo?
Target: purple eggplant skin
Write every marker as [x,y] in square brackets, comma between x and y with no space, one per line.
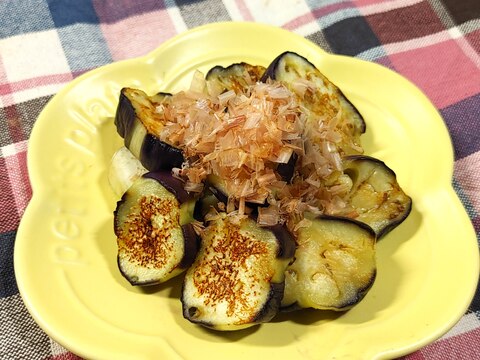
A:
[286,240]
[191,246]
[272,306]
[125,111]
[286,171]
[157,155]
[273,72]
[219,194]
[172,184]
[405,207]
[154,154]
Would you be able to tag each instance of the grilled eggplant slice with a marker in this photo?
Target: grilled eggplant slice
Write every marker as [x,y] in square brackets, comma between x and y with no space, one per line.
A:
[153,224]
[334,265]
[320,96]
[237,279]
[236,77]
[137,122]
[376,198]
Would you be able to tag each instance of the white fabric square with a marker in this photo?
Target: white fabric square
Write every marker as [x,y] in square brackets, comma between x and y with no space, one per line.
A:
[33,55]
[277,12]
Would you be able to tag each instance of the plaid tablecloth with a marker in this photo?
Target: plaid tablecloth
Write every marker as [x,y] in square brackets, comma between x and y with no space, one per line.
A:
[44,44]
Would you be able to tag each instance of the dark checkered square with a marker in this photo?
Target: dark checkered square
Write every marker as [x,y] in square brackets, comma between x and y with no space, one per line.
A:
[28,112]
[463,10]
[18,325]
[87,51]
[351,36]
[113,11]
[9,218]
[68,12]
[8,285]
[4,128]
[194,13]
[24,16]
[405,23]
[463,123]
[319,39]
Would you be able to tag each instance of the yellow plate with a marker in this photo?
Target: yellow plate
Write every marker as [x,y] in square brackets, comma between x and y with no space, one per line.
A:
[65,253]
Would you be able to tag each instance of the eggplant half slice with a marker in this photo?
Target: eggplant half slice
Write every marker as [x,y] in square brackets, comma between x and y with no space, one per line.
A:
[236,77]
[320,96]
[376,198]
[153,224]
[137,121]
[334,265]
[237,279]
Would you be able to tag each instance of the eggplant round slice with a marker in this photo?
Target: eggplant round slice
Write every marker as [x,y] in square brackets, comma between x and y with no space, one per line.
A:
[156,240]
[237,279]
[236,77]
[320,97]
[137,121]
[376,198]
[334,265]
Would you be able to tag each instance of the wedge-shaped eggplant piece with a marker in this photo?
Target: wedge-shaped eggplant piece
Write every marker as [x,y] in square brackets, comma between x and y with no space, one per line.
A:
[237,279]
[153,224]
[236,77]
[376,198]
[320,96]
[334,265]
[138,123]
[124,169]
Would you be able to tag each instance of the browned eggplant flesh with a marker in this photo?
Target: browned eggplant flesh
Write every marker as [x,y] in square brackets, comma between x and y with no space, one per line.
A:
[375,198]
[322,99]
[156,240]
[237,77]
[237,279]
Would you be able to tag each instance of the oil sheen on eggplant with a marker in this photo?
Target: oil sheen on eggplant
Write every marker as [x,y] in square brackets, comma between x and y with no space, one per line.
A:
[137,122]
[156,240]
[334,265]
[237,279]
[376,198]
[324,101]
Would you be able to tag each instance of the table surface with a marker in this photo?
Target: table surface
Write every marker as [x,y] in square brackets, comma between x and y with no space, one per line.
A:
[44,44]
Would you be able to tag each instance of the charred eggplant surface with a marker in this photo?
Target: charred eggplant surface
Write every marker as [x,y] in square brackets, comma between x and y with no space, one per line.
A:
[155,237]
[237,279]
[320,96]
[376,198]
[334,265]
[138,123]
[236,77]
